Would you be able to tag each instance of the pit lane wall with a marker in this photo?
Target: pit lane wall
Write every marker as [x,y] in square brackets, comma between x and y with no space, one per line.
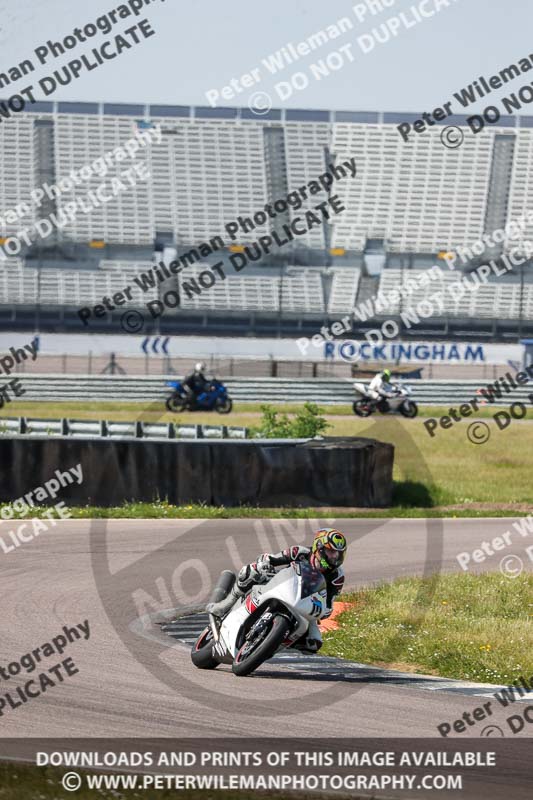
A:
[336,471]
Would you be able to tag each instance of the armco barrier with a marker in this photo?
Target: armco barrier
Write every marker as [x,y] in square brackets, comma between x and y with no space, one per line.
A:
[269,390]
[94,429]
[294,472]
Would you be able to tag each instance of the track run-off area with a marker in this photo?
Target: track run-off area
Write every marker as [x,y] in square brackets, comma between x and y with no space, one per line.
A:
[120,579]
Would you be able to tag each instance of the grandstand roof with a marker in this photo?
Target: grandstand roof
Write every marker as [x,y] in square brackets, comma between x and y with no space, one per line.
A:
[237,113]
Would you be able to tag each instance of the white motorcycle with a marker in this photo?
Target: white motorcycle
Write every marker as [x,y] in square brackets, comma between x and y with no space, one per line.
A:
[400,401]
[273,616]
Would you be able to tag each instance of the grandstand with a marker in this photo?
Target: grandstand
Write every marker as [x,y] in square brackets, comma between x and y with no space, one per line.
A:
[408,202]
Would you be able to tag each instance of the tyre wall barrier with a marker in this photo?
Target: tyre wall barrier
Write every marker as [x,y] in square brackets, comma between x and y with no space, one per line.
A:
[349,471]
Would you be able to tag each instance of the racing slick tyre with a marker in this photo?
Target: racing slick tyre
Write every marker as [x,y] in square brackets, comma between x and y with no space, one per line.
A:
[224,406]
[362,408]
[263,640]
[202,652]
[409,409]
[176,403]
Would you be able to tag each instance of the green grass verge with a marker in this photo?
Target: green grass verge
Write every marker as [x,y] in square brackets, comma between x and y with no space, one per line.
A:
[27,782]
[470,627]
[124,411]
[164,510]
[444,475]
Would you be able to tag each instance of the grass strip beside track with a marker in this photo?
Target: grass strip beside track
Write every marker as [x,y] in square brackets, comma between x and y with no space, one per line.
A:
[119,411]
[475,627]
[163,510]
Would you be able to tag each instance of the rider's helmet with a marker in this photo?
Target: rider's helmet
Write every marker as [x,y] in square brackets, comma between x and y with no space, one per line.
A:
[328,549]
[200,366]
[386,373]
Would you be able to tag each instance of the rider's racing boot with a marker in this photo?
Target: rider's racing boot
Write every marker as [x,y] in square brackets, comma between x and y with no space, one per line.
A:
[223,607]
[307,645]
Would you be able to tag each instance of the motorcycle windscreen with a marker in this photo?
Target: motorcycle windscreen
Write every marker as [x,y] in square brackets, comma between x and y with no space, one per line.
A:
[313,581]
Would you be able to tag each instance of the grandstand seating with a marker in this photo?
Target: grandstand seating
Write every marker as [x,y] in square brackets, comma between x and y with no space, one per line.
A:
[214,165]
[20,286]
[123,265]
[300,290]
[418,196]
[498,300]
[344,288]
[18,170]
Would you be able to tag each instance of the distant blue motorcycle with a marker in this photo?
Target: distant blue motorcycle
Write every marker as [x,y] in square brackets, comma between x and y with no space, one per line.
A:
[214,398]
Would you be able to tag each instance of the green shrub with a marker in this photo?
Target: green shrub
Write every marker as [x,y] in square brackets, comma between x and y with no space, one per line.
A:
[306,424]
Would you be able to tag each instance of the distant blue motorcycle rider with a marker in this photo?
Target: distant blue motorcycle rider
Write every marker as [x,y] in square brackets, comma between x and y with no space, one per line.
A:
[195,383]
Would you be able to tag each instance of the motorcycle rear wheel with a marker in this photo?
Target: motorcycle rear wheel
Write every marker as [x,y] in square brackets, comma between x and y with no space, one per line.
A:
[253,654]
[362,408]
[409,409]
[175,403]
[202,652]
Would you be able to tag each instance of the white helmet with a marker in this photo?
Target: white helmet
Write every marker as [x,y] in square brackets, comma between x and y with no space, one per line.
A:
[200,367]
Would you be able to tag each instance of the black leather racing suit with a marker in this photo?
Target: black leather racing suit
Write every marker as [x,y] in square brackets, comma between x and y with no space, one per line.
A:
[194,384]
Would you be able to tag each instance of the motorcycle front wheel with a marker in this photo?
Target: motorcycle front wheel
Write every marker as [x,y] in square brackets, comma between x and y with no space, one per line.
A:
[224,406]
[176,403]
[202,651]
[409,409]
[362,408]
[260,644]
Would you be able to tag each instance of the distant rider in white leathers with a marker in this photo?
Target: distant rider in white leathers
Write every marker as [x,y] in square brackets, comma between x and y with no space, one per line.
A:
[380,387]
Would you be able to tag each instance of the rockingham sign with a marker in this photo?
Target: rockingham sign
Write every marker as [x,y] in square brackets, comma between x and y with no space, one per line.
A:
[327,347]
[422,352]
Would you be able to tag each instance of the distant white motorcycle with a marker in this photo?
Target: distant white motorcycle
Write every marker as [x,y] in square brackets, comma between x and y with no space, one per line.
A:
[271,617]
[400,401]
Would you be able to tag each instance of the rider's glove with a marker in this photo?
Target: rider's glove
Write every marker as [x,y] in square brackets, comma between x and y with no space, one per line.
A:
[263,566]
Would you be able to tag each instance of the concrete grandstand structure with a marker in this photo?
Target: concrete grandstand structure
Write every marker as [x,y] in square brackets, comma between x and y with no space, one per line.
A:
[408,203]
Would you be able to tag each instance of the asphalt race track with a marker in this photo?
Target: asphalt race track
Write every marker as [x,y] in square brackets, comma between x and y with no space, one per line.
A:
[135,680]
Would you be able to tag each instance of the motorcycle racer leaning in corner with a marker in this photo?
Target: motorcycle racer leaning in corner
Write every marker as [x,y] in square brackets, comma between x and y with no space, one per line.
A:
[326,555]
[380,386]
